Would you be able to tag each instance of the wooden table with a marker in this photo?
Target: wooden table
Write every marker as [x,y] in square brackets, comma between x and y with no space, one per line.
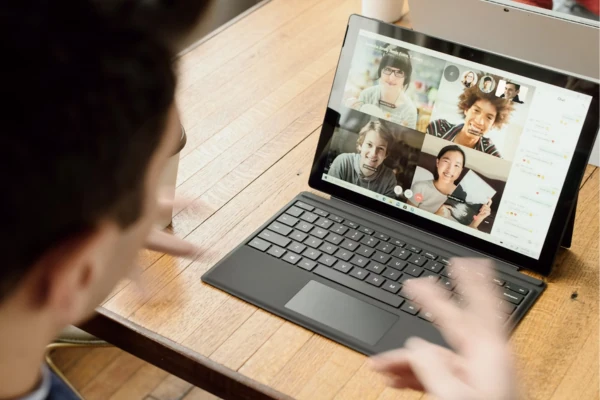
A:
[252,99]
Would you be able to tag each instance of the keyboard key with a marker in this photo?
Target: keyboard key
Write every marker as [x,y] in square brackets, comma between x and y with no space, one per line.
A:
[407,294]
[305,206]
[307,264]
[354,235]
[511,296]
[413,271]
[344,254]
[432,276]
[328,248]
[351,224]
[430,255]
[291,258]
[410,308]
[449,273]
[324,223]
[397,242]
[391,287]
[298,236]
[320,212]
[516,288]
[412,248]
[417,260]
[304,227]
[366,230]
[434,266]
[276,251]
[392,274]
[374,280]
[334,238]
[313,242]
[447,283]
[309,217]
[349,245]
[375,267]
[259,244]
[365,251]
[274,238]
[397,264]
[382,236]
[327,260]
[506,307]
[288,220]
[369,241]
[444,260]
[359,260]
[361,287]
[336,218]
[311,253]
[294,211]
[380,257]
[385,247]
[501,317]
[339,229]
[319,232]
[343,267]
[459,300]
[280,228]
[402,254]
[426,315]
[296,247]
[499,282]
[359,273]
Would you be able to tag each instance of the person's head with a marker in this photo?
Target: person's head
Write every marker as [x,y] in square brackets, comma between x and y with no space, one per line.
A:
[374,143]
[449,164]
[487,83]
[92,122]
[483,111]
[511,90]
[395,68]
[469,78]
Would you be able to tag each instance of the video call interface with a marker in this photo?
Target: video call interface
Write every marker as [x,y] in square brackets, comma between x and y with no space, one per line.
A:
[462,144]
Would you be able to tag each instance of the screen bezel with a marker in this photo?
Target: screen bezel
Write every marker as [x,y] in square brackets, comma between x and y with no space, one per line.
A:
[568,195]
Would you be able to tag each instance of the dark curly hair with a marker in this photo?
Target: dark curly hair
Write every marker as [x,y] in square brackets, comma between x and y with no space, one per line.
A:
[470,96]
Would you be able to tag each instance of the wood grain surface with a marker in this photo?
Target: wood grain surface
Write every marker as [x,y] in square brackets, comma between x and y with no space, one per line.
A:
[252,100]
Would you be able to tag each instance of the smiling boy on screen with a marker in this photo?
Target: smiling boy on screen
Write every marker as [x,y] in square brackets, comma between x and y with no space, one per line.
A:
[365,168]
[483,112]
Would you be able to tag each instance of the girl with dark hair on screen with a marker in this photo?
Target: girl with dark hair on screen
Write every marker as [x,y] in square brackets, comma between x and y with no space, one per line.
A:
[388,99]
[433,194]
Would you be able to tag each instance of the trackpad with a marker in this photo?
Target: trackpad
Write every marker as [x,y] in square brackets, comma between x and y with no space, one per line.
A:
[345,313]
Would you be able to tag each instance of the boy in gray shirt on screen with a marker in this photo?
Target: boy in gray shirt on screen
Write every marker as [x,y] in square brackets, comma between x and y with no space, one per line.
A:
[365,168]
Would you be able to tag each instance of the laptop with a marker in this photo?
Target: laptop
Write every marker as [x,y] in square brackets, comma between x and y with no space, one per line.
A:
[577,38]
[429,150]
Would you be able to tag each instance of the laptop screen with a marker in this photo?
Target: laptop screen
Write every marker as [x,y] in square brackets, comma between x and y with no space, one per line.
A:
[465,145]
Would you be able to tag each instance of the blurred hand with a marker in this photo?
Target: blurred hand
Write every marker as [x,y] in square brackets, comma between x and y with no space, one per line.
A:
[164,242]
[480,366]
[443,211]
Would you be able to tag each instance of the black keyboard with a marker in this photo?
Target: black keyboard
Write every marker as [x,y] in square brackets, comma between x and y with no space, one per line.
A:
[367,261]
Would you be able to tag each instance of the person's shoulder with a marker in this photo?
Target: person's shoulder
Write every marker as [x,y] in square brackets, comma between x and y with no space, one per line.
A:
[370,93]
[345,157]
[422,185]
[489,147]
[438,127]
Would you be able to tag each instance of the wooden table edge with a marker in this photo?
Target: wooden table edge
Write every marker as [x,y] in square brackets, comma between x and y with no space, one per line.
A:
[176,359]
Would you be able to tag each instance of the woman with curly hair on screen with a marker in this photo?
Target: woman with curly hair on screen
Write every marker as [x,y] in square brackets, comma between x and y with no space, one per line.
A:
[483,112]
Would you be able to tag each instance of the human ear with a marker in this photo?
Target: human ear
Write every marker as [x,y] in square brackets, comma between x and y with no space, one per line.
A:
[68,271]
